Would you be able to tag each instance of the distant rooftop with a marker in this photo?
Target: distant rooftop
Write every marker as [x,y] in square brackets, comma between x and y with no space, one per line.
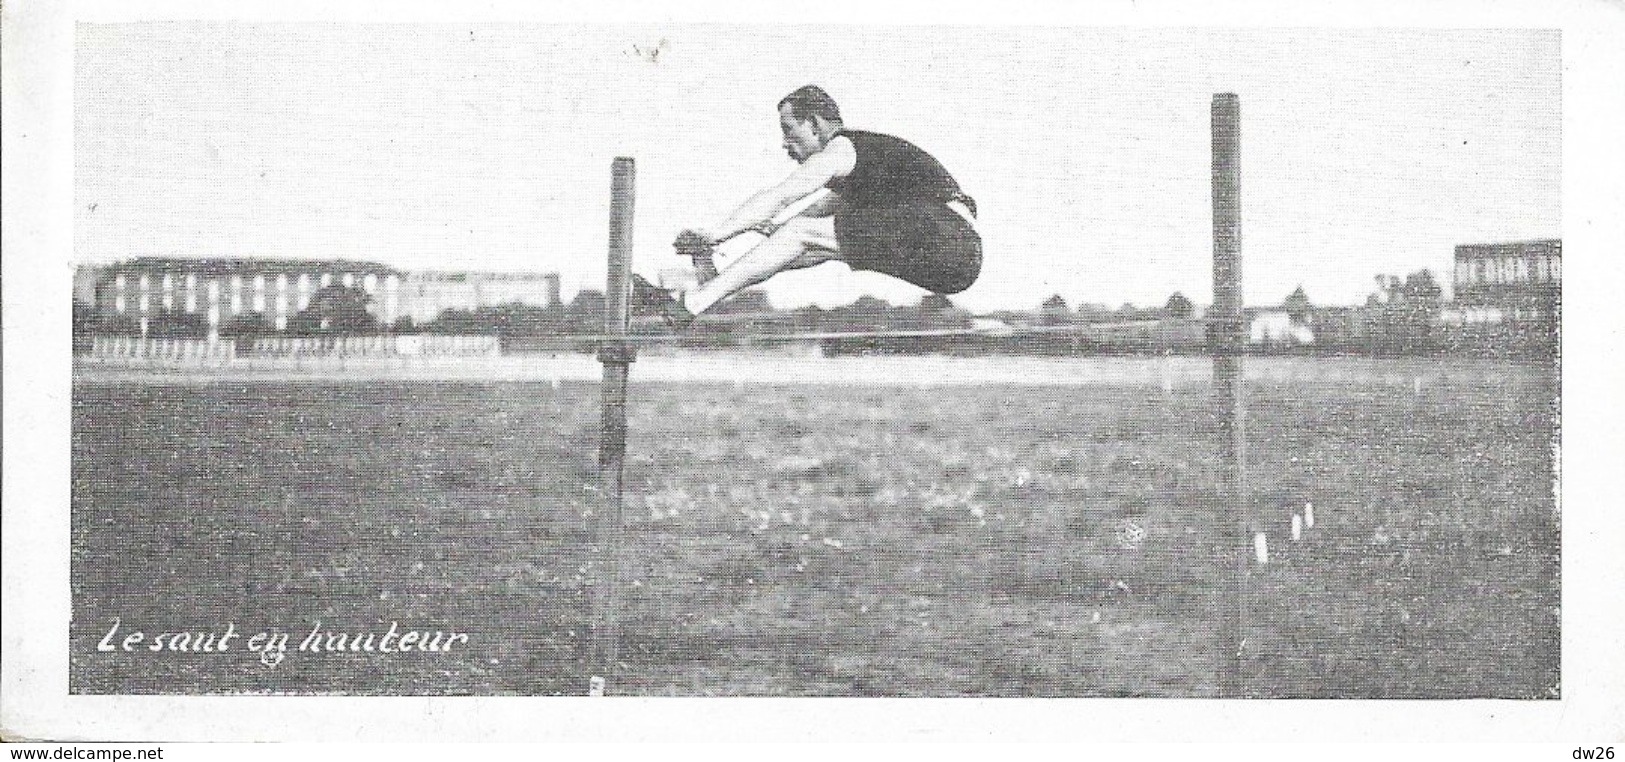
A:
[1511,248]
[248,265]
[481,275]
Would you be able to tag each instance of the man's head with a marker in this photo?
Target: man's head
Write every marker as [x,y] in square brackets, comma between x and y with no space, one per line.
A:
[809,119]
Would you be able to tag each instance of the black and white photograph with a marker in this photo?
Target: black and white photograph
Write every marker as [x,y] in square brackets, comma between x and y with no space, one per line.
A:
[701,358]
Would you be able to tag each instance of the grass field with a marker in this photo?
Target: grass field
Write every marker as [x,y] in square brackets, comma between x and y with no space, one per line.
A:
[820,540]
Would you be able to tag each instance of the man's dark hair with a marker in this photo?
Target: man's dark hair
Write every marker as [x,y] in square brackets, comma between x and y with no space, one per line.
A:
[809,101]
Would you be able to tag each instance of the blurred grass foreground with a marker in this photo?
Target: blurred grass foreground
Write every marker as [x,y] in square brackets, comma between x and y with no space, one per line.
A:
[817,539]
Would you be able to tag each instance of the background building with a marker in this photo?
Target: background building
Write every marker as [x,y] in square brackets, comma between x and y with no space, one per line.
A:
[427,294]
[217,290]
[1277,327]
[1519,281]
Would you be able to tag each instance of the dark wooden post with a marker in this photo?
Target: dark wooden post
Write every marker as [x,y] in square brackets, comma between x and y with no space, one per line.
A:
[617,355]
[1226,334]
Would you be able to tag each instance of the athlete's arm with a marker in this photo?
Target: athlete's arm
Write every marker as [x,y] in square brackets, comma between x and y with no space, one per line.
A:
[836,160]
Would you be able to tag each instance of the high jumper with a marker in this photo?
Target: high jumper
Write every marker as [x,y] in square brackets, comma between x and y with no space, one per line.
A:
[872,201]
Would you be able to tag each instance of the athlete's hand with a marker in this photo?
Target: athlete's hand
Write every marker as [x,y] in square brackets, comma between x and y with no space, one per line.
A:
[692,243]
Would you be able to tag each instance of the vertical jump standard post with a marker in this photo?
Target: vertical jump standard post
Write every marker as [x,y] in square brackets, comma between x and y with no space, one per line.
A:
[1225,339]
[617,355]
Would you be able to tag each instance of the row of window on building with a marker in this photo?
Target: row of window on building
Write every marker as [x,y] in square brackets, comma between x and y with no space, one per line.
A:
[281,289]
[278,295]
[1491,314]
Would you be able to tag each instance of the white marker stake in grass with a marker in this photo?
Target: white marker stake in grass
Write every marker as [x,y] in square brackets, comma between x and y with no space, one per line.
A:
[1309,515]
[1297,527]
[1261,548]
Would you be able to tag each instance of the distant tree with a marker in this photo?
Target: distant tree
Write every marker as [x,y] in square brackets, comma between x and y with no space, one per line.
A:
[1179,307]
[869,304]
[1417,291]
[245,326]
[1422,290]
[1092,309]
[585,314]
[810,318]
[1420,303]
[303,323]
[84,326]
[335,309]
[1297,305]
[502,321]
[403,324]
[455,322]
[511,319]
[1054,310]
[175,324]
[90,321]
[866,314]
[84,318]
[748,302]
[520,319]
[116,324]
[937,311]
[1406,310]
[1388,287]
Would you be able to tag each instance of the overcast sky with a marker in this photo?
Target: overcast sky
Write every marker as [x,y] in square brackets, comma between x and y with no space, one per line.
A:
[489,146]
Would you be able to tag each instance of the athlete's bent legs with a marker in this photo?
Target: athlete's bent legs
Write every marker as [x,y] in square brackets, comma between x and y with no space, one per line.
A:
[801,242]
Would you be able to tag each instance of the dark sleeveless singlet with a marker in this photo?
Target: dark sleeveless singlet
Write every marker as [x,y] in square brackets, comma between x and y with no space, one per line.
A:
[894,216]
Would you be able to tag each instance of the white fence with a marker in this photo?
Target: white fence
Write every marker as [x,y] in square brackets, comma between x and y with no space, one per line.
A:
[324,346]
[427,345]
[133,350]
[177,351]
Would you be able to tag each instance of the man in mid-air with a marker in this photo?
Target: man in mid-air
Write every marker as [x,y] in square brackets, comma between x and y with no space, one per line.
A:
[890,208]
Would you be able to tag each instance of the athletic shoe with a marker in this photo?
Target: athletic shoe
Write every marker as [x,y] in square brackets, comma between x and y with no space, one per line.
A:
[701,250]
[705,268]
[651,297]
